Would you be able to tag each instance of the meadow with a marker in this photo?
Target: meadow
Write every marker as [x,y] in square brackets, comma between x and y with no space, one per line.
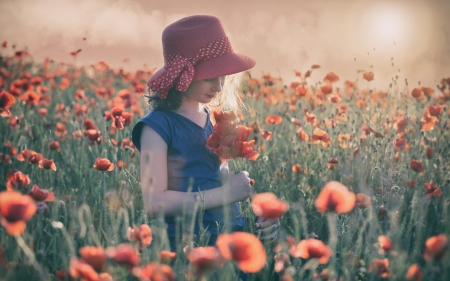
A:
[70,179]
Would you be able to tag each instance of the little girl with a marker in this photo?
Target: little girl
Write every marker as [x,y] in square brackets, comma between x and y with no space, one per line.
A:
[198,57]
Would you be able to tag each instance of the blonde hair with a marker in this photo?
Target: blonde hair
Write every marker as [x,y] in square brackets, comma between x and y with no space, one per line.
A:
[229,99]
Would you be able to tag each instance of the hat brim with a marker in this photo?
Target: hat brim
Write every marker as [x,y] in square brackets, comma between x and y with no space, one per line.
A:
[226,64]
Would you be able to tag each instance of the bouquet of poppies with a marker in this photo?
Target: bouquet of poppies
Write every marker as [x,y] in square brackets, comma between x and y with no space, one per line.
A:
[229,140]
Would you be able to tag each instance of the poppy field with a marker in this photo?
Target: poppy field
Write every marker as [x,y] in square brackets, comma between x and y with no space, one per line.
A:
[358,177]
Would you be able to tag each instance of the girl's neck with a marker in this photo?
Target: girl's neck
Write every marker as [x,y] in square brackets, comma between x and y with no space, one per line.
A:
[189,107]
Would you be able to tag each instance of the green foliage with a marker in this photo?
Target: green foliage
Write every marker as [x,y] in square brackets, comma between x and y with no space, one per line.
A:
[96,208]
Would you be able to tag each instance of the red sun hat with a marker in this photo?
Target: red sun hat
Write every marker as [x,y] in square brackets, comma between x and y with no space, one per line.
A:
[195,48]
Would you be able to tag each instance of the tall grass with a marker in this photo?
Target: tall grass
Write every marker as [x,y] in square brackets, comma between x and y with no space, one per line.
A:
[96,208]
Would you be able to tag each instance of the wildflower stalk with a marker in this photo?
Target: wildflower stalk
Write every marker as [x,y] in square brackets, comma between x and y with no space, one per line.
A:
[334,232]
[121,213]
[85,209]
[66,236]
[30,255]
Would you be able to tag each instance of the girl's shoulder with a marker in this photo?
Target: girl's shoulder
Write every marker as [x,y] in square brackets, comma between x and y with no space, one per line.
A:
[159,120]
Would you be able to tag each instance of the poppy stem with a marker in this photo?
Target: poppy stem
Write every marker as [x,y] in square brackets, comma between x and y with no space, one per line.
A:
[30,255]
[334,233]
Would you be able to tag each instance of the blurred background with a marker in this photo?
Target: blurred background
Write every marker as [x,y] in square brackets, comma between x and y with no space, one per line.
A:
[408,39]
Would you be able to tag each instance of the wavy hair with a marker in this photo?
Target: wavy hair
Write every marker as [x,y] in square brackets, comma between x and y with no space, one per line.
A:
[227,99]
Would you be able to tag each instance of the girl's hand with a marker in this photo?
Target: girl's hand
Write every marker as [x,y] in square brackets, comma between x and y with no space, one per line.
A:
[240,188]
[267,229]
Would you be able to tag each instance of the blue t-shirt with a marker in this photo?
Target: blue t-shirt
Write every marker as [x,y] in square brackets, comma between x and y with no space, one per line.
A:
[188,159]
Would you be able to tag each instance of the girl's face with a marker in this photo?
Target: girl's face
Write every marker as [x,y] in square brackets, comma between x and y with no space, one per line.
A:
[204,91]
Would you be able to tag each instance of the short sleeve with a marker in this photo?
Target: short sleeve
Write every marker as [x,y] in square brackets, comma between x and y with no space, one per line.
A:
[158,122]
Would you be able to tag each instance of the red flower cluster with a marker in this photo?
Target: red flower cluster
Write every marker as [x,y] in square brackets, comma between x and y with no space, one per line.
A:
[228,139]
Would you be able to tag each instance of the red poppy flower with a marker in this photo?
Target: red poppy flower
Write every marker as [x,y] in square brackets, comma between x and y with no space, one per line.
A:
[15,210]
[93,136]
[167,257]
[80,95]
[428,121]
[362,201]
[6,101]
[244,150]
[103,164]
[60,129]
[432,190]
[385,244]
[224,128]
[401,144]
[119,122]
[312,249]
[326,89]
[4,158]
[368,76]
[267,135]
[333,161]
[54,145]
[204,259]
[417,93]
[47,164]
[416,166]
[27,155]
[296,168]
[94,256]
[411,183]
[435,247]
[281,262]
[222,116]
[30,98]
[429,152]
[400,124]
[80,269]
[124,254]
[142,235]
[335,98]
[435,110]
[16,179]
[320,136]
[331,77]
[302,134]
[41,194]
[127,116]
[213,141]
[273,119]
[344,140]
[121,164]
[155,272]
[414,273]
[268,206]
[242,132]
[381,267]
[88,124]
[381,211]
[335,197]
[243,248]
[310,118]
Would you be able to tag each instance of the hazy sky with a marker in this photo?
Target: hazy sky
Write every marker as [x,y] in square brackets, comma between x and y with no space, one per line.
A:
[279,35]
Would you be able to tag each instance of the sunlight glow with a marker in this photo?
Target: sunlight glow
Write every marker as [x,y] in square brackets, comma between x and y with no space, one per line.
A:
[388,25]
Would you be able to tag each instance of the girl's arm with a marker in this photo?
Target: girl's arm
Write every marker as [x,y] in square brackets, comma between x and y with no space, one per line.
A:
[154,182]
